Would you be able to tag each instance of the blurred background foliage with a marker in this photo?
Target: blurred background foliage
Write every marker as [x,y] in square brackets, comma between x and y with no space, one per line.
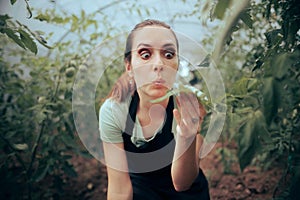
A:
[255,45]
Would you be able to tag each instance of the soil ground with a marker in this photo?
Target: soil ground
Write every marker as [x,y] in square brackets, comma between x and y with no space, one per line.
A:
[225,183]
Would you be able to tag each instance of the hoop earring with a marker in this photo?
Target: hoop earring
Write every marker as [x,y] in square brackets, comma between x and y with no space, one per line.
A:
[131,81]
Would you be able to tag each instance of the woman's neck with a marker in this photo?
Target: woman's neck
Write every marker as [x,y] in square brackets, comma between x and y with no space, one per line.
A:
[148,111]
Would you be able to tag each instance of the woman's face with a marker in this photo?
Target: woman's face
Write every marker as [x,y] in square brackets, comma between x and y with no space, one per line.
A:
[154,60]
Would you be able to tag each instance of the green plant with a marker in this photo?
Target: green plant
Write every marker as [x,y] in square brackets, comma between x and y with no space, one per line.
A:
[259,50]
[38,136]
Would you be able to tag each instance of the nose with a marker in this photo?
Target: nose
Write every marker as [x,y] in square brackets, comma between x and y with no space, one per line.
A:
[158,68]
[157,64]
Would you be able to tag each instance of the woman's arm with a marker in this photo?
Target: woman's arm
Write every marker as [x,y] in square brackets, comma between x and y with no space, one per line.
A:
[189,117]
[185,167]
[119,184]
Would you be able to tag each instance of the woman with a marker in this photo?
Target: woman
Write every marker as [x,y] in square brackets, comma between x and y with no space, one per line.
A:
[148,154]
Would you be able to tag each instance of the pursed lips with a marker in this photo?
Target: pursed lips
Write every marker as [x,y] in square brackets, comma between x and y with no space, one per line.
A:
[159,82]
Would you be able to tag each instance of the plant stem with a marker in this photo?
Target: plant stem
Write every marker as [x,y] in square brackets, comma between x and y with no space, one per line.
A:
[237,8]
[35,146]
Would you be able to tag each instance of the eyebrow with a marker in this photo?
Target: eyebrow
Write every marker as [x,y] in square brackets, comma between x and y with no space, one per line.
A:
[148,45]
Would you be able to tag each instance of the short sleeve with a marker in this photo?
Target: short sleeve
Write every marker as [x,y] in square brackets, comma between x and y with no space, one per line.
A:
[111,121]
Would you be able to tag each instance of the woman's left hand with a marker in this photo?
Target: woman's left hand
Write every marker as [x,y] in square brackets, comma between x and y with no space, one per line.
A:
[189,115]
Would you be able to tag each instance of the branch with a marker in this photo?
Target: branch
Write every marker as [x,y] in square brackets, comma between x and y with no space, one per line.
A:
[28,9]
[237,8]
[35,146]
[108,5]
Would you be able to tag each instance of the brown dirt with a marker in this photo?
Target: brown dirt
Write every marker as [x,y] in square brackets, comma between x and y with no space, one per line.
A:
[252,183]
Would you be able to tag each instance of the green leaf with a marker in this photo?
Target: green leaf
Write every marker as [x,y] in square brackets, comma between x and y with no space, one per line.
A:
[240,87]
[281,65]
[246,18]
[273,37]
[270,100]
[28,41]
[68,141]
[12,2]
[40,173]
[206,62]
[169,93]
[3,19]
[42,17]
[11,34]
[21,147]
[58,20]
[40,116]
[69,170]
[253,84]
[251,134]
[220,8]
[202,98]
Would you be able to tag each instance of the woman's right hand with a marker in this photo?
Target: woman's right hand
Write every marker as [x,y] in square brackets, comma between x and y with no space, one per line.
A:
[189,115]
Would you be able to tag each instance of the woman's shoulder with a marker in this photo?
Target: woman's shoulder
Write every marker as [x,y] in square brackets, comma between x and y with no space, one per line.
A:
[112,119]
[111,106]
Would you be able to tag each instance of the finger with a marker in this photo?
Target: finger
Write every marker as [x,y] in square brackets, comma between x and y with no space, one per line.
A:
[202,111]
[181,113]
[177,116]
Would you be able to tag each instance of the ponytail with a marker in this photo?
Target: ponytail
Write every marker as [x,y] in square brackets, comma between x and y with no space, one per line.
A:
[124,87]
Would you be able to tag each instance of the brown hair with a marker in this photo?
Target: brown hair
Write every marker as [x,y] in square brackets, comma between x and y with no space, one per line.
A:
[124,86]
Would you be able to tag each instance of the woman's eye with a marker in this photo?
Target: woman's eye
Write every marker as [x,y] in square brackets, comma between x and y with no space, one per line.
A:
[169,55]
[145,55]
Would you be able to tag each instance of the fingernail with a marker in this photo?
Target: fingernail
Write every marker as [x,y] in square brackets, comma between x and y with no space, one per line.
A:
[184,122]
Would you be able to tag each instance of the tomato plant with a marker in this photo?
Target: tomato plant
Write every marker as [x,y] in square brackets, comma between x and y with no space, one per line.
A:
[258,53]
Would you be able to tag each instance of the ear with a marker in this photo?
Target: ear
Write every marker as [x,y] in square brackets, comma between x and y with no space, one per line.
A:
[127,66]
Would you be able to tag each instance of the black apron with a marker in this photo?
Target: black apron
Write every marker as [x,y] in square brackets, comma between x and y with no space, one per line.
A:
[157,184]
